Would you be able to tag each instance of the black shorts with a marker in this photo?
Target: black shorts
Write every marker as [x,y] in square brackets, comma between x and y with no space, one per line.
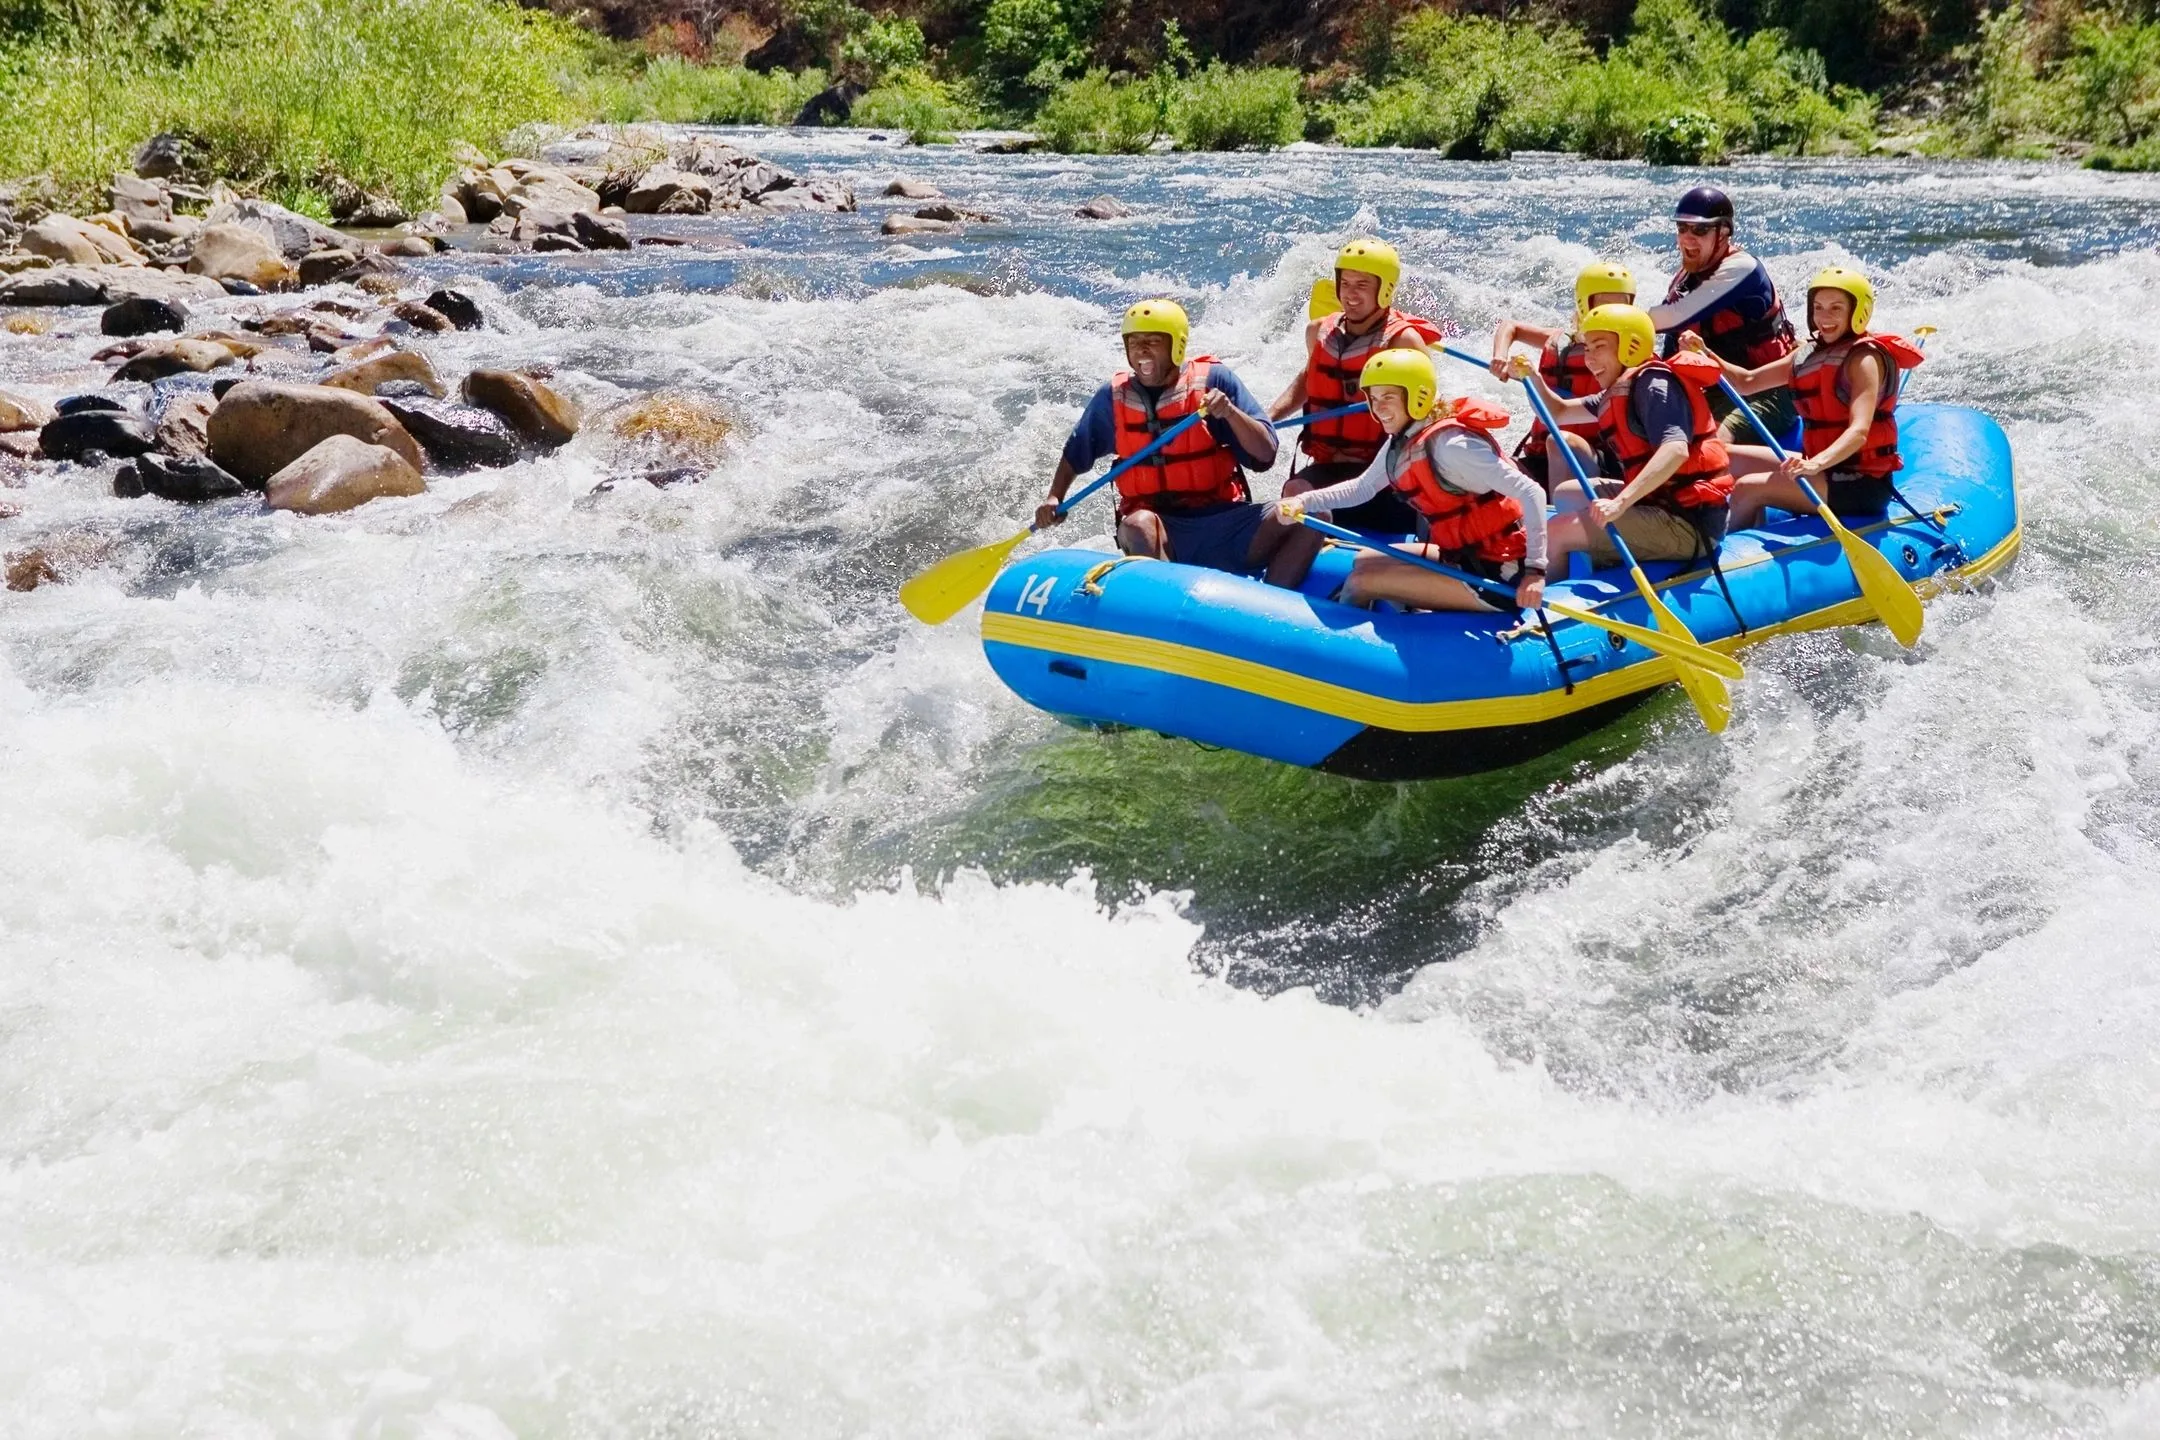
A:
[1853,496]
[1385,514]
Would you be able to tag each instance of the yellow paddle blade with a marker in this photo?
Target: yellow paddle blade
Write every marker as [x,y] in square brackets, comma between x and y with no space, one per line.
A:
[1687,652]
[1885,589]
[1704,690]
[1323,301]
[944,590]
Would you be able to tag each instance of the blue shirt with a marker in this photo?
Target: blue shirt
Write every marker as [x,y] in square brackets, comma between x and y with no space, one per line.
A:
[1096,433]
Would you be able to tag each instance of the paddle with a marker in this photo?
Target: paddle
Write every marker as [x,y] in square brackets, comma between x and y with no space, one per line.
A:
[1894,599]
[1323,301]
[1705,690]
[1686,652]
[944,590]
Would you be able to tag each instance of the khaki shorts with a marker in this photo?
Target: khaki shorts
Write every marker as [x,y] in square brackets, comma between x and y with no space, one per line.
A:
[1652,533]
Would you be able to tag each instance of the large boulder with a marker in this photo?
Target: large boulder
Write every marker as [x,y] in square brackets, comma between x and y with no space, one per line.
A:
[1104,207]
[458,308]
[20,412]
[902,188]
[260,427]
[600,232]
[240,252]
[61,285]
[531,224]
[69,241]
[665,190]
[533,409]
[177,356]
[912,225]
[364,377]
[142,315]
[147,284]
[83,433]
[542,187]
[292,233]
[180,420]
[340,473]
[139,201]
[456,437]
[827,196]
[323,266]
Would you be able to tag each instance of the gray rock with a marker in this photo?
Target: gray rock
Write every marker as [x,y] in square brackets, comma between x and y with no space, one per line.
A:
[599,232]
[61,285]
[165,156]
[457,307]
[84,404]
[905,189]
[553,243]
[189,479]
[456,437]
[323,266]
[665,190]
[1104,207]
[142,315]
[957,214]
[138,200]
[294,235]
[911,225]
[82,433]
[827,196]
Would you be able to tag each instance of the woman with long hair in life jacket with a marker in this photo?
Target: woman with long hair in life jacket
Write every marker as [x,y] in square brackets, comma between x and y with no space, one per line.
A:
[1669,502]
[1563,367]
[1845,387]
[1337,346]
[1189,501]
[1476,511]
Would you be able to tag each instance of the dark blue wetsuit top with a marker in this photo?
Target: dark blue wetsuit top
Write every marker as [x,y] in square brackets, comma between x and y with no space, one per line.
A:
[1096,434]
[1739,284]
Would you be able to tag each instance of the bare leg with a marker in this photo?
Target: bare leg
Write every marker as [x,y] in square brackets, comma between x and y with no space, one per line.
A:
[1286,550]
[1566,534]
[1751,497]
[1560,478]
[1375,577]
[1142,533]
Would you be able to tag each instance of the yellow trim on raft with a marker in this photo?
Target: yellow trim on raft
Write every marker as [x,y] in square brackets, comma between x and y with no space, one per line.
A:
[1270,683]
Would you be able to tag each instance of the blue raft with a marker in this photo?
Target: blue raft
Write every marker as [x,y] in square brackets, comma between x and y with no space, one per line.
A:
[1381,695]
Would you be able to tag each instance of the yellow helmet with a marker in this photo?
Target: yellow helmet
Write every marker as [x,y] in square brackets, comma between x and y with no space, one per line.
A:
[1376,258]
[1853,283]
[1627,324]
[1160,317]
[1601,277]
[1410,369]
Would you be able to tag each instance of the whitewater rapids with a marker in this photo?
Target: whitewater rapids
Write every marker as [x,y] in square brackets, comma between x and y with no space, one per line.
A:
[523,962]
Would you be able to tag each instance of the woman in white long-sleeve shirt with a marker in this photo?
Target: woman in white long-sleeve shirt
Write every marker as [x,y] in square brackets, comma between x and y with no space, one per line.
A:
[1477,511]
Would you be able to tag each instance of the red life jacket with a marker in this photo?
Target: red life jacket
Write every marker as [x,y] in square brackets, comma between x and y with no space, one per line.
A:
[1332,369]
[1464,524]
[1750,344]
[1192,470]
[1568,375]
[1703,480]
[1824,401]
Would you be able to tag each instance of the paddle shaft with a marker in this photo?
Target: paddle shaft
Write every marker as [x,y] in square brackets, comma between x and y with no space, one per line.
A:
[1288,423]
[1814,497]
[1475,582]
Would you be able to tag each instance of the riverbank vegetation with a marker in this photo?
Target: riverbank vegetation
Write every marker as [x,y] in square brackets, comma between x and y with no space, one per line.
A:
[284,95]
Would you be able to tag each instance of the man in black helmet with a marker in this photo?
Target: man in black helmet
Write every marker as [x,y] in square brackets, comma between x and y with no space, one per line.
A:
[1725,295]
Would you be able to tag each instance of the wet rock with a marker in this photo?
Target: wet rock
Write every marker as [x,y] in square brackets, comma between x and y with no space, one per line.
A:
[910,225]
[142,315]
[19,445]
[28,569]
[830,106]
[230,252]
[86,432]
[903,188]
[422,317]
[82,404]
[146,284]
[70,285]
[340,473]
[528,228]
[140,201]
[127,484]
[408,247]
[455,437]
[20,412]
[827,196]
[665,190]
[166,156]
[457,307]
[560,244]
[69,241]
[364,377]
[190,479]
[176,356]
[1011,145]
[1104,207]
[374,265]
[242,289]
[685,424]
[323,266]
[957,215]
[533,409]
[181,421]
[600,232]
[260,427]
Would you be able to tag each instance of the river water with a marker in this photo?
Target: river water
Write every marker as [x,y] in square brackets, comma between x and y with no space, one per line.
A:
[522,961]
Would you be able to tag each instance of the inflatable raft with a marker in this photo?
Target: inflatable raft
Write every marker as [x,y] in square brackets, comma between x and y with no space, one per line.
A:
[1294,676]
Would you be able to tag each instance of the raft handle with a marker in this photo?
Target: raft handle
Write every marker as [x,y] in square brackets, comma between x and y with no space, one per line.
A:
[1091,583]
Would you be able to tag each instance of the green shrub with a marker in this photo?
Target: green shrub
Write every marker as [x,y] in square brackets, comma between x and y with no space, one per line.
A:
[1098,115]
[912,100]
[283,92]
[675,91]
[2114,73]
[1027,48]
[1689,138]
[883,48]
[1224,109]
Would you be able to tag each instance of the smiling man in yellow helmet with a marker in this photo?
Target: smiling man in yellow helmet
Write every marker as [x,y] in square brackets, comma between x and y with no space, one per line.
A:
[1187,502]
[1562,365]
[1337,346]
[1670,501]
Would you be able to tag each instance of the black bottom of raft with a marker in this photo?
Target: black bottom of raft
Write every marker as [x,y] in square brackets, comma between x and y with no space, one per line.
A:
[1376,754]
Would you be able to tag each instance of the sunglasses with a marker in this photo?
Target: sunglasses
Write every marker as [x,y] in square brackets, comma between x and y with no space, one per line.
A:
[1700,227]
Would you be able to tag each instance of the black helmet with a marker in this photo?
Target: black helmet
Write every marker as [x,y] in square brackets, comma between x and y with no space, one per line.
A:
[1705,204]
